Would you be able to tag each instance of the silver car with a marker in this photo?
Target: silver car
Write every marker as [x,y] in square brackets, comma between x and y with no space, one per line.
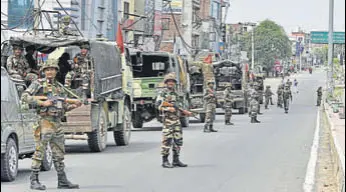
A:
[17,120]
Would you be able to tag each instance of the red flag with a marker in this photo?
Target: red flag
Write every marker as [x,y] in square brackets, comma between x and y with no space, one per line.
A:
[247,67]
[209,59]
[120,40]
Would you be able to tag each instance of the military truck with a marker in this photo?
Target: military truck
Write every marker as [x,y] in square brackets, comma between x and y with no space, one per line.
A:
[17,122]
[149,69]
[200,73]
[229,72]
[108,103]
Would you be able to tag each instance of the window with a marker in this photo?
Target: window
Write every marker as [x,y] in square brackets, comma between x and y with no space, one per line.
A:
[126,10]
[20,13]
[5,86]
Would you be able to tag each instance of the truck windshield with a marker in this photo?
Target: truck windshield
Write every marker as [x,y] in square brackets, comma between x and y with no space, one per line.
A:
[152,66]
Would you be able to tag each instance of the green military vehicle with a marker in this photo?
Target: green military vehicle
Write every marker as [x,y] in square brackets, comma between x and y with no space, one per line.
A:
[149,69]
[108,103]
[229,72]
[200,73]
[17,122]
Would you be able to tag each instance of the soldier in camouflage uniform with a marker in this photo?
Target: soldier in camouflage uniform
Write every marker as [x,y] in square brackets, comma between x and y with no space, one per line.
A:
[18,67]
[268,95]
[319,96]
[65,28]
[287,96]
[81,69]
[210,102]
[280,93]
[228,104]
[172,133]
[254,108]
[48,128]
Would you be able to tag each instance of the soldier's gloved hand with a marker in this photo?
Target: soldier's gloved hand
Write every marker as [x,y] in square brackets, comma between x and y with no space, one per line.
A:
[78,103]
[47,103]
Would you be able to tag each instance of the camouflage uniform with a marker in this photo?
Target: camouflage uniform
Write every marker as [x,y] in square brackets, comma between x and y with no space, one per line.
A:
[18,67]
[287,96]
[65,28]
[279,92]
[257,95]
[319,96]
[172,133]
[254,108]
[228,104]
[48,128]
[83,71]
[268,96]
[210,102]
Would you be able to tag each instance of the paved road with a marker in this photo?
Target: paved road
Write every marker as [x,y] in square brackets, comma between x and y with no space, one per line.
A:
[268,157]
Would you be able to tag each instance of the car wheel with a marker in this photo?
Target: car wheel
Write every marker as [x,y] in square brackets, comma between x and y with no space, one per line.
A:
[9,161]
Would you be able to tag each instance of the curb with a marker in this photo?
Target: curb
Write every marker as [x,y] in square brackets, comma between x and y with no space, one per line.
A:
[339,156]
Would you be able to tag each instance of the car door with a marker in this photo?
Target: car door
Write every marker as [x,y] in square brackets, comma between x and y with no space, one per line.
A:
[28,119]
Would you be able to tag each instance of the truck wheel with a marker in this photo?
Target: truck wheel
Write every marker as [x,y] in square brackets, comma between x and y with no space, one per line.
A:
[9,161]
[185,121]
[122,137]
[202,117]
[242,110]
[97,140]
[47,159]
[137,120]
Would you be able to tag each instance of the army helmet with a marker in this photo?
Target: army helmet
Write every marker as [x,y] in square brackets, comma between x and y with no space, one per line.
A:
[85,46]
[66,19]
[228,84]
[268,86]
[50,63]
[17,45]
[210,81]
[170,77]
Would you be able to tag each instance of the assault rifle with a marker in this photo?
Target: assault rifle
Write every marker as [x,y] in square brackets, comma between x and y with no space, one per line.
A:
[185,112]
[56,99]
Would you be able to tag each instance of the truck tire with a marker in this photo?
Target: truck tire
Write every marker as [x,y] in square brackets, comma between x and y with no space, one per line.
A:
[9,161]
[185,121]
[97,140]
[47,159]
[202,117]
[242,110]
[123,133]
[137,120]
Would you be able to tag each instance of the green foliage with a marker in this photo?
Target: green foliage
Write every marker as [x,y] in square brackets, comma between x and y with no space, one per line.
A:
[271,42]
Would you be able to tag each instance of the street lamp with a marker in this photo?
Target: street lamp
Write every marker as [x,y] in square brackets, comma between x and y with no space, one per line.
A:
[252,42]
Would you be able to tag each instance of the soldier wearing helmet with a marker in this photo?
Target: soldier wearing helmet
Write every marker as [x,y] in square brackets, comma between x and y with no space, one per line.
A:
[253,112]
[268,96]
[17,65]
[280,92]
[228,103]
[287,96]
[83,69]
[65,28]
[210,102]
[172,133]
[48,129]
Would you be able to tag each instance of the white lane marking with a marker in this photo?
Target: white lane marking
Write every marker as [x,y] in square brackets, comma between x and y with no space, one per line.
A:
[309,183]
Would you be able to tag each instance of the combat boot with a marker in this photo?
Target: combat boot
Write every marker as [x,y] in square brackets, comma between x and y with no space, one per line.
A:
[252,120]
[228,123]
[256,121]
[177,162]
[206,129]
[165,162]
[35,183]
[212,129]
[63,183]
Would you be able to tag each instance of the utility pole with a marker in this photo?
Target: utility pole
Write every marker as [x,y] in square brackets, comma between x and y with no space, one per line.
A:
[330,47]
[253,49]
[187,25]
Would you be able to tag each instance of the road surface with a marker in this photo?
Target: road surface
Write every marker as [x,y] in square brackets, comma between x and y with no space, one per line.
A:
[267,157]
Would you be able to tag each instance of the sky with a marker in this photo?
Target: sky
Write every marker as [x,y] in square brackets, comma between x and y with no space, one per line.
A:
[309,15]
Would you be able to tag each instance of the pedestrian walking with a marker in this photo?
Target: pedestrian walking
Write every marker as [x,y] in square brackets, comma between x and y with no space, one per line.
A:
[319,96]
[295,86]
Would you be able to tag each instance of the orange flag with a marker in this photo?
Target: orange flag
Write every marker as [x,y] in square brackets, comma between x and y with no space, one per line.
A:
[209,59]
[120,40]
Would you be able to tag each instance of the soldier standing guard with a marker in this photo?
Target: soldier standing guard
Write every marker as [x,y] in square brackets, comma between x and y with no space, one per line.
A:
[254,108]
[210,102]
[65,28]
[287,95]
[228,104]
[268,96]
[172,133]
[82,68]
[319,96]
[18,67]
[48,129]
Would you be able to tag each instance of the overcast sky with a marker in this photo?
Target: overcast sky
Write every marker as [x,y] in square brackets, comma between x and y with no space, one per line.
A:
[291,14]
